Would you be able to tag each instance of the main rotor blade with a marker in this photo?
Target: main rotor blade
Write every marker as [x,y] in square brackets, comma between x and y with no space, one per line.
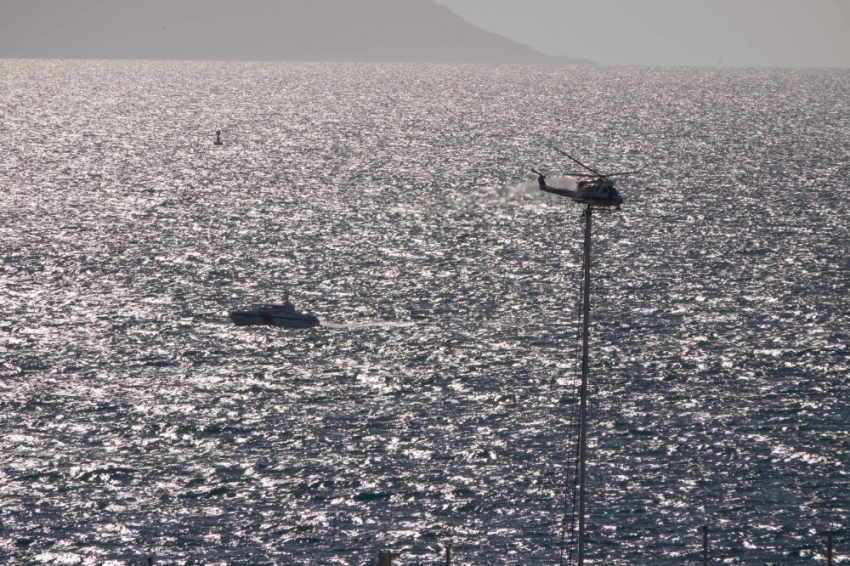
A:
[573,159]
[536,172]
[623,173]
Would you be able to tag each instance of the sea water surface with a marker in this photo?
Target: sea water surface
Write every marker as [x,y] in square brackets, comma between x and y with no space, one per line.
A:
[137,420]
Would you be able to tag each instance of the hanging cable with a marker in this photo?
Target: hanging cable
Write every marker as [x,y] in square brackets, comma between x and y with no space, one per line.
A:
[573,431]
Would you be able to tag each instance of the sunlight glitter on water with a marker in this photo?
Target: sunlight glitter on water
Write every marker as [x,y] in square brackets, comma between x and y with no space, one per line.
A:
[392,202]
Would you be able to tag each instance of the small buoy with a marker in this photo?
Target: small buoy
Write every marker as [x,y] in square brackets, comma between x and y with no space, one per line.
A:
[218,138]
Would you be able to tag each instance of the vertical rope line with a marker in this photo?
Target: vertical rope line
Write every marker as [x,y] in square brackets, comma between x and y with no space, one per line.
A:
[576,424]
[572,435]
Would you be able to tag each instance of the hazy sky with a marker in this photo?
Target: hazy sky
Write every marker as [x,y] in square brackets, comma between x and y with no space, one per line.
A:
[759,33]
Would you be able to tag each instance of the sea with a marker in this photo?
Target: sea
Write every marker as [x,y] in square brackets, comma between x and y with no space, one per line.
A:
[436,401]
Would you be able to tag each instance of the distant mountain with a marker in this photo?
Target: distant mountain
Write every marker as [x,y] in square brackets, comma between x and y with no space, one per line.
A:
[416,31]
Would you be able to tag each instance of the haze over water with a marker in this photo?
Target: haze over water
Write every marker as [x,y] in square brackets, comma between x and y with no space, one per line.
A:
[137,419]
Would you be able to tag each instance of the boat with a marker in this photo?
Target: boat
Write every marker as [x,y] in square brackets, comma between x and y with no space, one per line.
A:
[282,315]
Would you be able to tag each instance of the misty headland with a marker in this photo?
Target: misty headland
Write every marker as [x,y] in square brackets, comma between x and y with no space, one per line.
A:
[410,31]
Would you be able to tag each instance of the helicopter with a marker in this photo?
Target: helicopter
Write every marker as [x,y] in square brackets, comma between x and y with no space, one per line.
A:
[596,190]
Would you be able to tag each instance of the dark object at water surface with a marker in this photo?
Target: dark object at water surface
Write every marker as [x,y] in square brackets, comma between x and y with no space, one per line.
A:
[283,315]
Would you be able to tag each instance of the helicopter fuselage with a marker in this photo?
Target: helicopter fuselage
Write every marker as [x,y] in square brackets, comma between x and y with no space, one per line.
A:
[596,192]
